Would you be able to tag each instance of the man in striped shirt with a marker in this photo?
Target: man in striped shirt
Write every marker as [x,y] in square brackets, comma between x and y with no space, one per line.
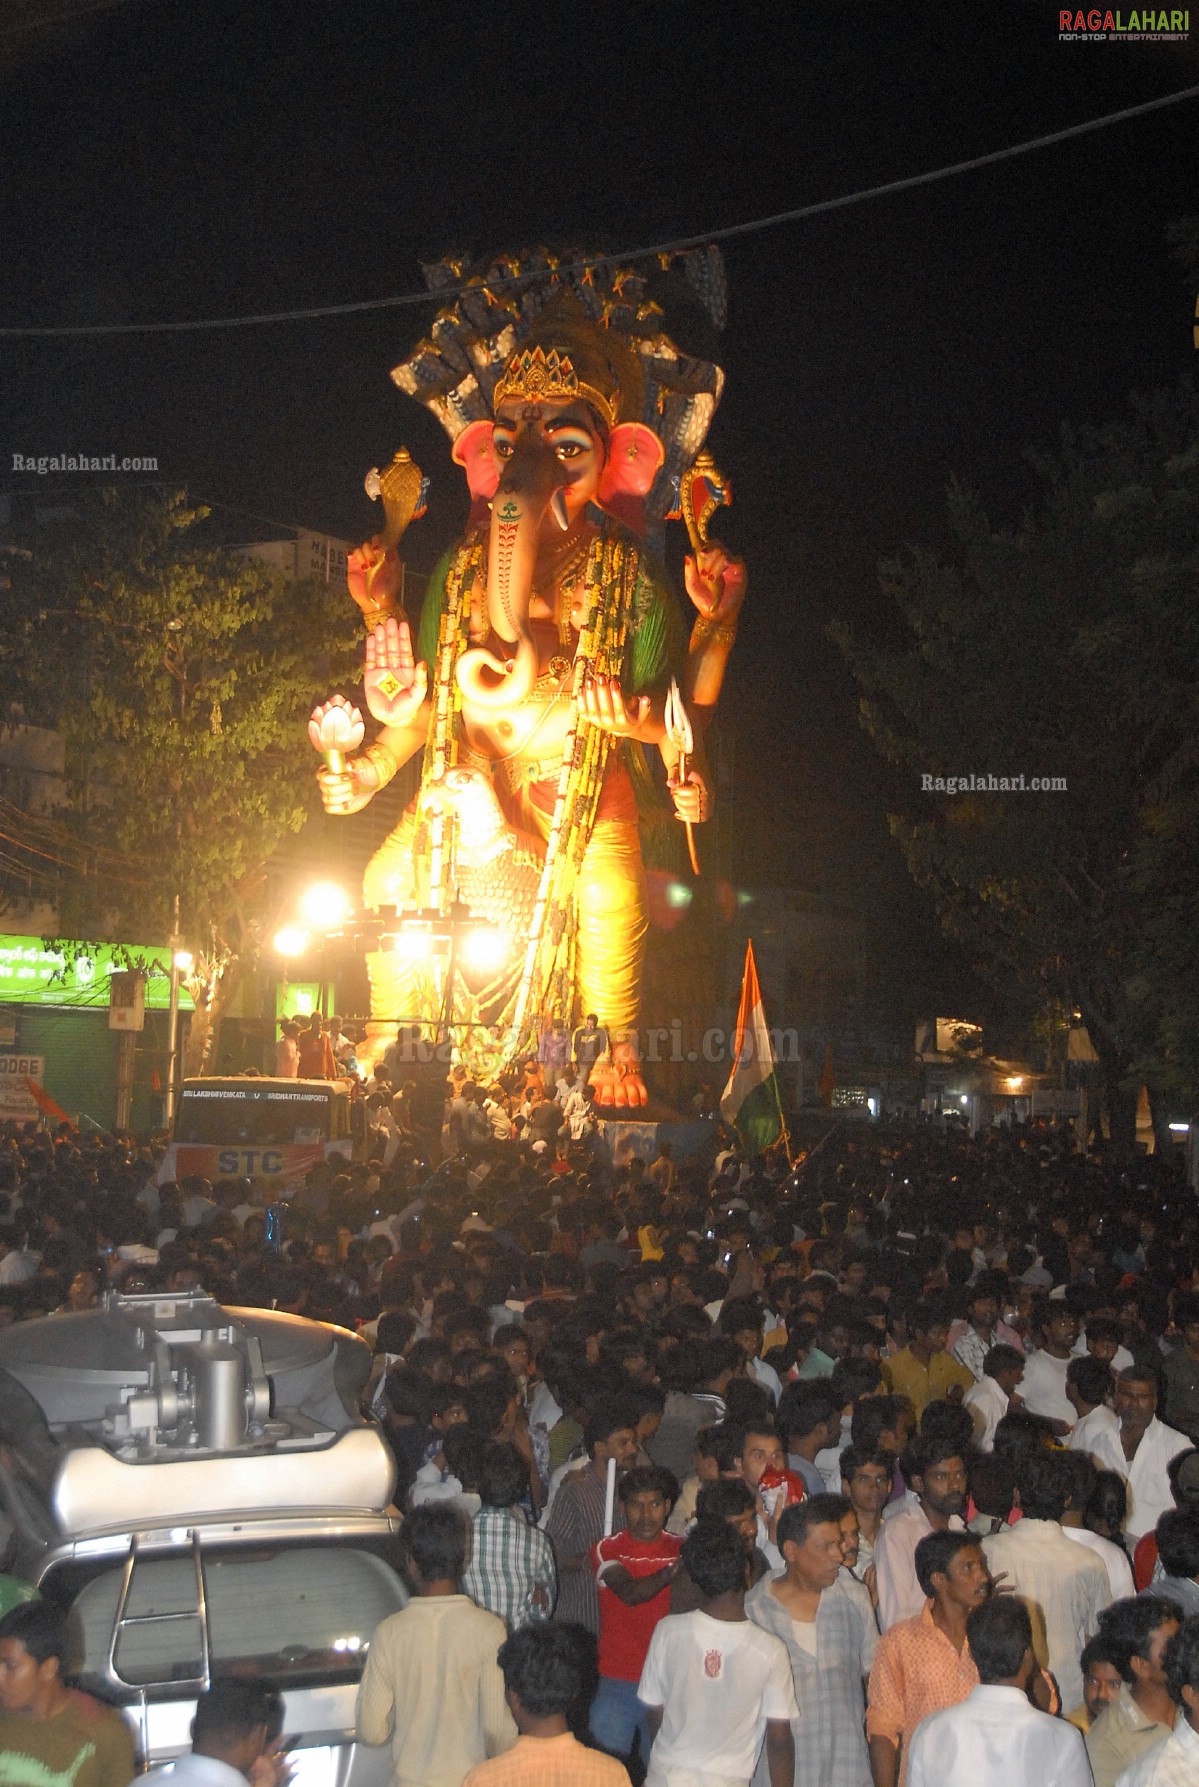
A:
[576,1519]
[511,1570]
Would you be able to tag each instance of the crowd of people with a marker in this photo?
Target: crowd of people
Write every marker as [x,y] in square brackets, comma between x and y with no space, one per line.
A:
[545,1102]
[882,1469]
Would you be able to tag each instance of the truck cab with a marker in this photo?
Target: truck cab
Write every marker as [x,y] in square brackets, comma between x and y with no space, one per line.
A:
[246,1126]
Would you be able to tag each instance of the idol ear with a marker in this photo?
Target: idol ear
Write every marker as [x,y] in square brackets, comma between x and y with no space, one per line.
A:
[634,455]
[473,451]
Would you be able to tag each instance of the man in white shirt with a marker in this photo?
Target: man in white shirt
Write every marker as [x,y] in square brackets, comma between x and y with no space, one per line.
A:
[17,1263]
[1100,1339]
[341,1044]
[1043,1391]
[1089,1391]
[990,1399]
[1141,1451]
[234,1737]
[1064,1587]
[714,1684]
[742,1319]
[939,1483]
[994,1737]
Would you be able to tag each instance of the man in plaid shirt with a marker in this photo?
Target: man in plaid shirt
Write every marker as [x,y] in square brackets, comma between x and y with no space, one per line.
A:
[511,1570]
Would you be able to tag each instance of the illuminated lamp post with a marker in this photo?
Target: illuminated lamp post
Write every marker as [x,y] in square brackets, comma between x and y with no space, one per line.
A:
[415,935]
[324,907]
[182,962]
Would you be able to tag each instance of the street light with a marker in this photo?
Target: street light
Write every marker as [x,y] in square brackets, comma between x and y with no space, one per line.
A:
[325,906]
[417,934]
[182,962]
[291,940]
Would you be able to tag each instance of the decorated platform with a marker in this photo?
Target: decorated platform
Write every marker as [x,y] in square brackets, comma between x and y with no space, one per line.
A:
[643,1132]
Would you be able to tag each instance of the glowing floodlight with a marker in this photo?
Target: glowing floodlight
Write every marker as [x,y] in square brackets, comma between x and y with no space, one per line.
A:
[325,905]
[484,949]
[292,940]
[414,943]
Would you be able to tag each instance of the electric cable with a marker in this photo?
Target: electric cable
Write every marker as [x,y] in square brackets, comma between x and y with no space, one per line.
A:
[752,226]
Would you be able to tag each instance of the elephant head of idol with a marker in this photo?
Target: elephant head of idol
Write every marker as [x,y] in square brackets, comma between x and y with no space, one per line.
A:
[557,444]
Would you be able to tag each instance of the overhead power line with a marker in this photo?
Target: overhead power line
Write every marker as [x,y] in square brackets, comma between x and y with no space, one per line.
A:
[753,226]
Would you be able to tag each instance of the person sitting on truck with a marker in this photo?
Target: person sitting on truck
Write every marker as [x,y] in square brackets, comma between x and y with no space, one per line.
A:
[47,1730]
[235,1735]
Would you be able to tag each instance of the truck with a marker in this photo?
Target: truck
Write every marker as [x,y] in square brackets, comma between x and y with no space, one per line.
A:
[246,1126]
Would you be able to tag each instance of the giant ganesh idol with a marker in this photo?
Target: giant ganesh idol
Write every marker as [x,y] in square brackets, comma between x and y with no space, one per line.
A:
[552,660]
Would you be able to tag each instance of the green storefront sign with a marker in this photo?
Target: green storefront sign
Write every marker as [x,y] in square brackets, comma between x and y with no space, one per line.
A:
[31,974]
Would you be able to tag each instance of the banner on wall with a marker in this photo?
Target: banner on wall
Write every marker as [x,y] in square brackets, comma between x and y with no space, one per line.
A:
[17,1074]
[32,974]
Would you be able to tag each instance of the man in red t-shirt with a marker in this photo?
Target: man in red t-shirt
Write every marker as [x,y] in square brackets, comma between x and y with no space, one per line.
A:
[634,1570]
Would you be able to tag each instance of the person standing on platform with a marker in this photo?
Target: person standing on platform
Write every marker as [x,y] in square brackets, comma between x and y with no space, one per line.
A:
[554,1050]
[316,1052]
[287,1053]
[589,1042]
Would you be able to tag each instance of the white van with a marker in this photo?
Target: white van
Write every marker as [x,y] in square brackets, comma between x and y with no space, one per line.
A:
[196,1486]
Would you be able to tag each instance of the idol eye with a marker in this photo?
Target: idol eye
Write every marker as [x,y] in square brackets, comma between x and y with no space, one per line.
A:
[503,449]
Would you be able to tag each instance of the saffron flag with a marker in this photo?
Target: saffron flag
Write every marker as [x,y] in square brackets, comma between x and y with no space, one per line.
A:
[750,1101]
[828,1077]
[45,1104]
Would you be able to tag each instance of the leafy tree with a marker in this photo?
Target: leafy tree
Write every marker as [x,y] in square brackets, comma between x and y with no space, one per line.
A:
[180,679]
[1067,646]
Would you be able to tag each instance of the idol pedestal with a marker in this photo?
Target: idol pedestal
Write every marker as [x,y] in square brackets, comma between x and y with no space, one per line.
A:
[642,1132]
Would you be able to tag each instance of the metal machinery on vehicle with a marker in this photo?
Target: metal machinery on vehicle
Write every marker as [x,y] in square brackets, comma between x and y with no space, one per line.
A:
[197,1486]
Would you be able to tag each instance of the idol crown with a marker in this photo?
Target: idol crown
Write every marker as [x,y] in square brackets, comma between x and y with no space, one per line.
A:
[535,374]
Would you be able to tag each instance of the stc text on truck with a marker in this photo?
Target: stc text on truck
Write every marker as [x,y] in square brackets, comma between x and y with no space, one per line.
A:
[249,1127]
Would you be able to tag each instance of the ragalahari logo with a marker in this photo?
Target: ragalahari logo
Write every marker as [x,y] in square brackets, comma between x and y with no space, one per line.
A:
[1144,25]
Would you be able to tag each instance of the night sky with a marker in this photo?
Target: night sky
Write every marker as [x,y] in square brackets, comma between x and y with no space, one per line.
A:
[171,162]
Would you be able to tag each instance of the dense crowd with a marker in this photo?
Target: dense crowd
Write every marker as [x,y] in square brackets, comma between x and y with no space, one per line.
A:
[879,1469]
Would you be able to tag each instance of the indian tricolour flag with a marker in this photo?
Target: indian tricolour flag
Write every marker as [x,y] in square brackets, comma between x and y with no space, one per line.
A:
[750,1101]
